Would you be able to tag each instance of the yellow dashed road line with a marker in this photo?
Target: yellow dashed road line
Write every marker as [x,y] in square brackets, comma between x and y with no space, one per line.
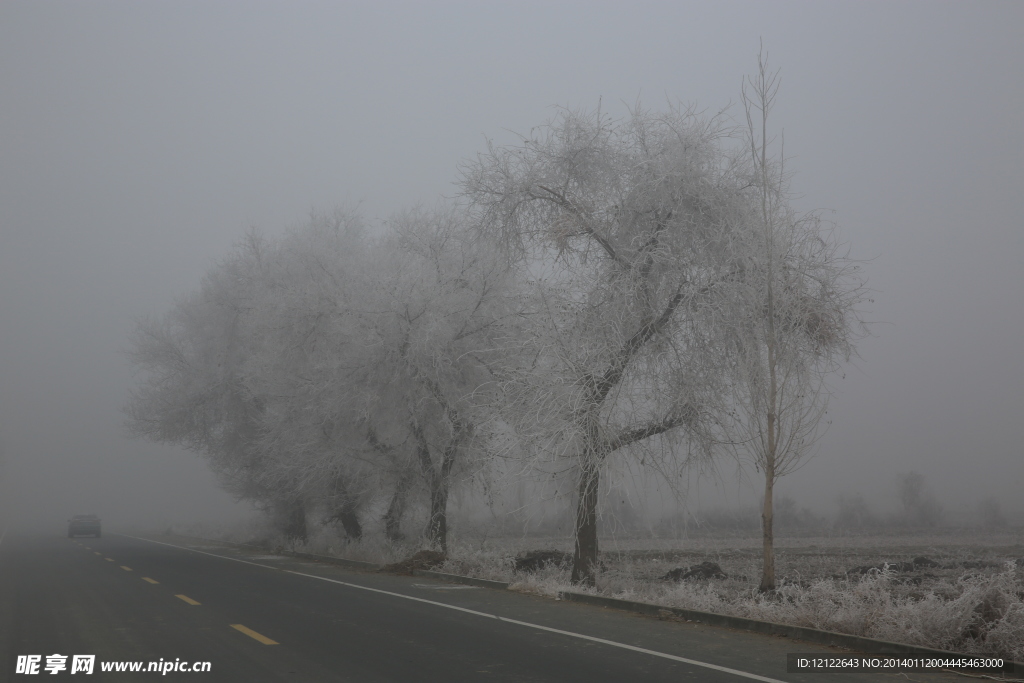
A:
[108,559]
[97,552]
[127,569]
[252,634]
[149,580]
[186,599]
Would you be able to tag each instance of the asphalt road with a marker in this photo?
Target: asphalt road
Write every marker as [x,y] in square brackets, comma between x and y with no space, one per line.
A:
[257,617]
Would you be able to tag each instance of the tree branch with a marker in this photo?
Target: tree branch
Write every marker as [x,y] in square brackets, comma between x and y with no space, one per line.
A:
[629,436]
[423,453]
[568,205]
[643,335]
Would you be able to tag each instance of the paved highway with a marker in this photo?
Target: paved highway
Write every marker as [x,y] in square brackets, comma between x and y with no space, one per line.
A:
[256,617]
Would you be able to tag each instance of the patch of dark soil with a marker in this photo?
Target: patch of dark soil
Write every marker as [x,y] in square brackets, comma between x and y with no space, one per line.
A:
[866,569]
[917,564]
[913,580]
[538,559]
[979,564]
[704,570]
[424,559]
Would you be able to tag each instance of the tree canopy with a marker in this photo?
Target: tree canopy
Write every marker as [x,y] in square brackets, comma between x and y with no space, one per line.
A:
[636,288]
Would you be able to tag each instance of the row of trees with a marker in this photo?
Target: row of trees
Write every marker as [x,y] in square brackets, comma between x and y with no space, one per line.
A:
[321,369]
[607,289]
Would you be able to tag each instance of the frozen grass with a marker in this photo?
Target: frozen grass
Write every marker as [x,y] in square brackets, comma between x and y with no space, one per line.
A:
[939,613]
[973,602]
[939,607]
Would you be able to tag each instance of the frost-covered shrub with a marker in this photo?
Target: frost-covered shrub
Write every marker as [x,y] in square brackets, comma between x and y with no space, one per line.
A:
[985,614]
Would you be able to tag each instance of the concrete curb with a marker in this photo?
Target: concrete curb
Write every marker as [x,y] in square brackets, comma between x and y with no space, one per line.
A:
[813,635]
[456,578]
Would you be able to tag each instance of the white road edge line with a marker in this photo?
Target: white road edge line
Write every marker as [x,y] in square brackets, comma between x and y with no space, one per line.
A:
[571,634]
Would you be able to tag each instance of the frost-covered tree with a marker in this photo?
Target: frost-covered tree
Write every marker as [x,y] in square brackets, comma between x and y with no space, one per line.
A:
[990,513]
[307,318]
[622,231]
[437,310]
[919,505]
[792,317]
[193,391]
[326,370]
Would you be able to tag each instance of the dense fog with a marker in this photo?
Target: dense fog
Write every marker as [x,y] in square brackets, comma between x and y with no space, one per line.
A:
[141,143]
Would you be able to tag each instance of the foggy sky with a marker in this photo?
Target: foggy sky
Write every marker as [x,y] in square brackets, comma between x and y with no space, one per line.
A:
[139,140]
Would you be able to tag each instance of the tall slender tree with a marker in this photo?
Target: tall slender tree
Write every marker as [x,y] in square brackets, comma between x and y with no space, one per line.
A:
[794,317]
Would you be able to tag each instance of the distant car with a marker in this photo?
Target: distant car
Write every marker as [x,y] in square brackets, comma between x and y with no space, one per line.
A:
[84,525]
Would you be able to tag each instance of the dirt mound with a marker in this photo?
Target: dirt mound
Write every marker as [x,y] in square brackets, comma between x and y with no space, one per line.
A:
[704,570]
[979,564]
[914,580]
[538,559]
[917,564]
[424,559]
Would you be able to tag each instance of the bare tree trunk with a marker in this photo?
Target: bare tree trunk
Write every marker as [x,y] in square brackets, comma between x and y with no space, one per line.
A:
[396,509]
[584,561]
[767,514]
[439,499]
[350,521]
[437,529]
[292,520]
[439,482]
[767,528]
[343,508]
